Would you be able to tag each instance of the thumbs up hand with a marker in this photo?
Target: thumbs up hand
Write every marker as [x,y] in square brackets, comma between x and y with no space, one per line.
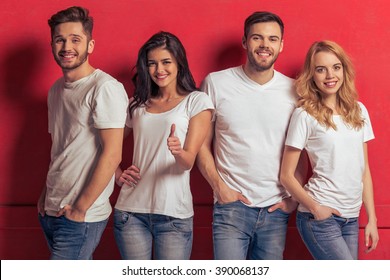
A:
[174,144]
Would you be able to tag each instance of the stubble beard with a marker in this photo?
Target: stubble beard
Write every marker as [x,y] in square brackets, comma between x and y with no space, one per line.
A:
[260,67]
[81,59]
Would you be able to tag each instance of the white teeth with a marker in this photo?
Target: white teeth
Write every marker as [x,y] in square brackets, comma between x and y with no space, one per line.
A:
[330,84]
[263,53]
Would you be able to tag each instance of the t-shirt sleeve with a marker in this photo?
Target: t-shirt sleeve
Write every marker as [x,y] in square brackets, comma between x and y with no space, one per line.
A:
[208,88]
[298,130]
[111,104]
[367,129]
[198,102]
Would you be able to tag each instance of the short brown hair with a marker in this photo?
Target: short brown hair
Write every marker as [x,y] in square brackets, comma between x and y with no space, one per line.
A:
[72,14]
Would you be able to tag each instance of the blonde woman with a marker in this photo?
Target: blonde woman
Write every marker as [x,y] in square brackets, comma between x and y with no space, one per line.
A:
[333,127]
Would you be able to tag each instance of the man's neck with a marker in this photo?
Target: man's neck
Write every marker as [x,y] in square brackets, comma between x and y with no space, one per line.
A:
[260,77]
[80,72]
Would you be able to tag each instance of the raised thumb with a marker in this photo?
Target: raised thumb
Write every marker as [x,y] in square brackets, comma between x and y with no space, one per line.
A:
[173,127]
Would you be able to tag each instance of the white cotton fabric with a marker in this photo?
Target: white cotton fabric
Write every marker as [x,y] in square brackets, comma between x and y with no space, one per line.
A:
[251,122]
[337,160]
[77,111]
[164,187]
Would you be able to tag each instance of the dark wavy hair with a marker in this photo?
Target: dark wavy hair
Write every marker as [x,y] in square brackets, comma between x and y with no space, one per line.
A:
[145,88]
[263,16]
[72,14]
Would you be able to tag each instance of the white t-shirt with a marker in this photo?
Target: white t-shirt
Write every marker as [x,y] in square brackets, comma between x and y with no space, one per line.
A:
[77,111]
[337,160]
[164,187]
[250,128]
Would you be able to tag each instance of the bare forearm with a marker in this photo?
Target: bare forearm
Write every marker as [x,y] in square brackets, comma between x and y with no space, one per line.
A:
[206,165]
[368,198]
[297,191]
[102,175]
[185,160]
[368,189]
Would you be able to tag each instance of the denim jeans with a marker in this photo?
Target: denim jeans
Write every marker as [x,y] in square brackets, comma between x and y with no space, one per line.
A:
[335,238]
[241,232]
[70,240]
[138,235]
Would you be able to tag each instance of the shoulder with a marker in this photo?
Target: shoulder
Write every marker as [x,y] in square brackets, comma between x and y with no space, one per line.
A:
[102,77]
[106,84]
[363,109]
[57,86]
[198,97]
[281,78]
[59,83]
[301,114]
[226,73]
[361,105]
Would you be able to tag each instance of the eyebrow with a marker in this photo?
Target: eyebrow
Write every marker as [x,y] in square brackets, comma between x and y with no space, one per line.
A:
[164,59]
[322,66]
[270,36]
[70,35]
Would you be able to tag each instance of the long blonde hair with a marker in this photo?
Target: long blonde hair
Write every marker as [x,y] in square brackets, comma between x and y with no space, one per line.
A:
[310,96]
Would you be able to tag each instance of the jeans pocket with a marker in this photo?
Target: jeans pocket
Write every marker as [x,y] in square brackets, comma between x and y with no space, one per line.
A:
[182,225]
[121,218]
[69,221]
[282,212]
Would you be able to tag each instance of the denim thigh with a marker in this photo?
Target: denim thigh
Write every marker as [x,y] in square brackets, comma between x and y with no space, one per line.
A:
[270,235]
[70,240]
[334,238]
[172,237]
[241,232]
[139,236]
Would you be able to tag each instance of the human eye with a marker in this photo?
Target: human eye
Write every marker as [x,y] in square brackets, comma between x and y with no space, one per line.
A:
[151,63]
[274,39]
[338,67]
[320,70]
[59,40]
[166,62]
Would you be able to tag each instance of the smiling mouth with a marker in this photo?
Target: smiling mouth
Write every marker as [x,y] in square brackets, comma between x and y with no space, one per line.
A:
[67,55]
[330,84]
[160,77]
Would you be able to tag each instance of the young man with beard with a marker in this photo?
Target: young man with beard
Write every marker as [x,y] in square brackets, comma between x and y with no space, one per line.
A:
[253,105]
[87,113]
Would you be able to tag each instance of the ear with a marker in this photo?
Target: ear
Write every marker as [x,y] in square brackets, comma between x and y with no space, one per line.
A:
[281,46]
[91,46]
[243,42]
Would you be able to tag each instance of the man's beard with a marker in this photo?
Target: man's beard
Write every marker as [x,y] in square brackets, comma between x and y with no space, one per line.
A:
[260,67]
[81,59]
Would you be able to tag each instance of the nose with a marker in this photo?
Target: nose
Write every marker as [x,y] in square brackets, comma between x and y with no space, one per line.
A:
[159,68]
[264,43]
[66,45]
[329,74]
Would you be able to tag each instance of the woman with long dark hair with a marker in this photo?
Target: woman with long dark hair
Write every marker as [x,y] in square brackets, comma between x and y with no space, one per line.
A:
[170,119]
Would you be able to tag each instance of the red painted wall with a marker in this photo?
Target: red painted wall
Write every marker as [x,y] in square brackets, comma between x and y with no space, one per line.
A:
[211,31]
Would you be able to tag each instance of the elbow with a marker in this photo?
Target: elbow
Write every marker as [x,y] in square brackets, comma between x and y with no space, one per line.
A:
[188,166]
[115,159]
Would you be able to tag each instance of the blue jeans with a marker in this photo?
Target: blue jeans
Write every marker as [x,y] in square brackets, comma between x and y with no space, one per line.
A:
[241,232]
[70,240]
[334,238]
[138,235]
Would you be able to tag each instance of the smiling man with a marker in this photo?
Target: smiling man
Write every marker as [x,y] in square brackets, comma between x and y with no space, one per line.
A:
[253,105]
[87,113]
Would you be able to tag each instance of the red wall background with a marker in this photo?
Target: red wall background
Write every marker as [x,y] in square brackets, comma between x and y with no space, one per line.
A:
[211,31]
